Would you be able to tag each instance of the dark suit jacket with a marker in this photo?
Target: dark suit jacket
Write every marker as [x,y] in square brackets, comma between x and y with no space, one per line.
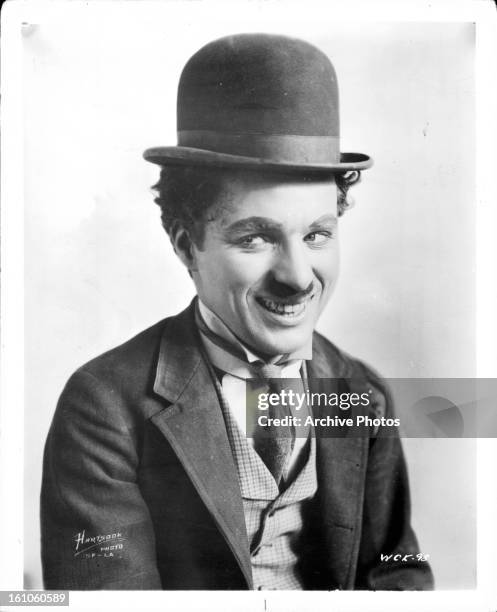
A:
[140,489]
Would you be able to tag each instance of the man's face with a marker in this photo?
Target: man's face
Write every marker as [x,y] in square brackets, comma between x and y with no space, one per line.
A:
[269,260]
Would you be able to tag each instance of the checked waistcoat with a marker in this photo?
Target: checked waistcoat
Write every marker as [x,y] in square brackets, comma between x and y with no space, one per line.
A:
[274,519]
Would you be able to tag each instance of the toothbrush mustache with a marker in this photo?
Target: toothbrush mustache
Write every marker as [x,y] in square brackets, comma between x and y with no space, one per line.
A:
[286,295]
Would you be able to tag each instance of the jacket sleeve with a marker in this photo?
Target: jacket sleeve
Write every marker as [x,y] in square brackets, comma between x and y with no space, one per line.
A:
[96,531]
[389,555]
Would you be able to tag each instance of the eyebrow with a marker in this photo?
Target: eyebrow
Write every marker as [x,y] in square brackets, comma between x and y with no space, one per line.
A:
[254,224]
[259,224]
[325,220]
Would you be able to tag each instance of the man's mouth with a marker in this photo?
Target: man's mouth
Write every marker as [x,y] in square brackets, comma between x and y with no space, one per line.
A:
[284,308]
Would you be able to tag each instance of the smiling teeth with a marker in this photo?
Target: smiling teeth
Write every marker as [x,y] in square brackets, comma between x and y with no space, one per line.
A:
[290,310]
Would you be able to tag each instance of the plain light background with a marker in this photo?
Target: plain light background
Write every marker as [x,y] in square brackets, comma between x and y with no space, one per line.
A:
[99,268]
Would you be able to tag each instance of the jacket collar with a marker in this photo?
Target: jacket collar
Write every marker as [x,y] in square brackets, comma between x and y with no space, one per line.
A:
[179,356]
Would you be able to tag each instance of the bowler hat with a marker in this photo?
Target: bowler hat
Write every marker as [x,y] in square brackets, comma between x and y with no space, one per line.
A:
[259,101]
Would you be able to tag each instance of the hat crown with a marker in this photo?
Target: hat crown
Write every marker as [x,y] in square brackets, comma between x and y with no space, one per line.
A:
[259,84]
[260,101]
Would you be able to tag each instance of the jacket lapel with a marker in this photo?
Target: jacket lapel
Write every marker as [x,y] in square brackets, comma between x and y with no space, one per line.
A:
[193,424]
[340,464]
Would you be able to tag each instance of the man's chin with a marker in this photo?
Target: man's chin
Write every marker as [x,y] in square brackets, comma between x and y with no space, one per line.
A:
[280,344]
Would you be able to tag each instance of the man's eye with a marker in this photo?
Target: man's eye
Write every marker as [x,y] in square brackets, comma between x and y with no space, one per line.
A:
[253,240]
[318,238]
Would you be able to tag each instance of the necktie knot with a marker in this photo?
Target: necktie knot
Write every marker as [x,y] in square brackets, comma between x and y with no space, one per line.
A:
[266,371]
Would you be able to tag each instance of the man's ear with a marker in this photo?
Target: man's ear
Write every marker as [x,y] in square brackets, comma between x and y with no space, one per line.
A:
[183,247]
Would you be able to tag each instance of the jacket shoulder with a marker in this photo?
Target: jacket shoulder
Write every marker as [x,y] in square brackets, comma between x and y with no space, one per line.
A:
[127,372]
[131,358]
[117,386]
[330,361]
[139,354]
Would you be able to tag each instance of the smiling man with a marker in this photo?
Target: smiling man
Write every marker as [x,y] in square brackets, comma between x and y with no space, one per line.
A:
[154,475]
[268,261]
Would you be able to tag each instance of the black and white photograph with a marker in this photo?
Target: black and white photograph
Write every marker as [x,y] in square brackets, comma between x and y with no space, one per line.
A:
[222,212]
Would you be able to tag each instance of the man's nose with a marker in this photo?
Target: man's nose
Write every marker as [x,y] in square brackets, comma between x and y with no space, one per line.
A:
[293,267]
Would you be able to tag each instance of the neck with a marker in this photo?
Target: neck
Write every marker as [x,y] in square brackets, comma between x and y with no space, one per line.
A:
[218,327]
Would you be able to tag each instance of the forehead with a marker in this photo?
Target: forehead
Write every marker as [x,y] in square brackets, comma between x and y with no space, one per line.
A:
[278,197]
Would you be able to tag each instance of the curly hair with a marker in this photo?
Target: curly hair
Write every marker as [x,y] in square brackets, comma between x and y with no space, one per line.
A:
[186,194]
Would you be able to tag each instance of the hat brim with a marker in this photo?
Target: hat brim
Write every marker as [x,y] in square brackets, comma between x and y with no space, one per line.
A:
[167,156]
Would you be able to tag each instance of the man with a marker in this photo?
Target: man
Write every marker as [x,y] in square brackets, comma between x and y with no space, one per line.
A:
[154,475]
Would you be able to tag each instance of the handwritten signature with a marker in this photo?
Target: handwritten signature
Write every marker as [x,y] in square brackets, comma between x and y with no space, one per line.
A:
[107,542]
